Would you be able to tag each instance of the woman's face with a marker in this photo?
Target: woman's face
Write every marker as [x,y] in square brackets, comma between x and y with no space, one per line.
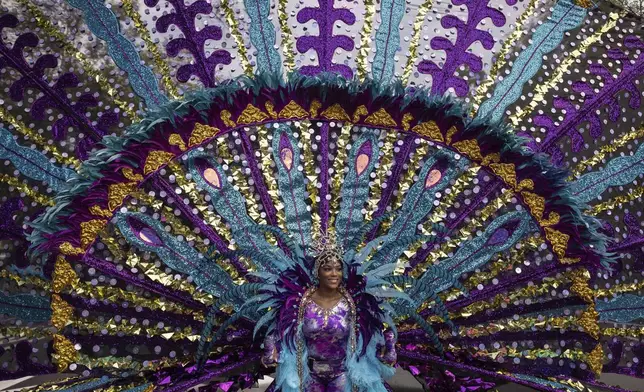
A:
[330,275]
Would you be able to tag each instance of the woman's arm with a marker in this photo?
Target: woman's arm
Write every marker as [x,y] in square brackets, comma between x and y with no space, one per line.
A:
[270,357]
[387,353]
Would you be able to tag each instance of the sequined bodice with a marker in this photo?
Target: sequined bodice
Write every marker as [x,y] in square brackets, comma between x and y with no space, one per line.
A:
[326,331]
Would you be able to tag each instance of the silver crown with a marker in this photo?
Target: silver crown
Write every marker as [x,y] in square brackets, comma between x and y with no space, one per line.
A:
[326,250]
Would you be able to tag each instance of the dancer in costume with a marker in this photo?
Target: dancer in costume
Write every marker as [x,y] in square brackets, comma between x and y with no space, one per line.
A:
[181,181]
[328,328]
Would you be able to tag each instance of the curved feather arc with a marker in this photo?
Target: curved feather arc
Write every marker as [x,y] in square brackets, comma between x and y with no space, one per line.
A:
[32,163]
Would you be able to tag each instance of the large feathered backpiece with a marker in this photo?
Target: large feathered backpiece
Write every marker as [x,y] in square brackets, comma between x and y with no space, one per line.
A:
[169,169]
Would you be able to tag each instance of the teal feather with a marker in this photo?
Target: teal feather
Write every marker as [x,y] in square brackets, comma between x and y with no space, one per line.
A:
[383,270]
[260,258]
[366,372]
[387,39]
[230,204]
[366,228]
[619,171]
[26,307]
[365,252]
[270,315]
[623,309]
[355,188]
[32,163]
[390,293]
[287,240]
[391,251]
[290,180]
[262,35]
[419,202]
[286,376]
[148,234]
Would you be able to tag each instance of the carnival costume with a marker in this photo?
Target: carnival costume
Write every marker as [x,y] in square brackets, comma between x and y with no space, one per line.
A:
[172,171]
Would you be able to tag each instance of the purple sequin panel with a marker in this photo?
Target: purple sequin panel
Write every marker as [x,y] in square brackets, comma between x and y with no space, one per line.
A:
[326,337]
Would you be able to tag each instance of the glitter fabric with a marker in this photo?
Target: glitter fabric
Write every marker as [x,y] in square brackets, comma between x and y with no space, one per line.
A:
[173,173]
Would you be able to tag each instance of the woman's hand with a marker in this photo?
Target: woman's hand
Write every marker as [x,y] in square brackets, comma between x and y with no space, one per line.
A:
[270,356]
[387,354]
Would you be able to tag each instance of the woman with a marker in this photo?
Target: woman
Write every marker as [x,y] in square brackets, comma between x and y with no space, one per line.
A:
[326,338]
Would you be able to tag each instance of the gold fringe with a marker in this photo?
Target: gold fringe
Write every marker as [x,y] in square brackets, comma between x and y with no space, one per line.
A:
[38,139]
[269,174]
[124,326]
[440,212]
[597,157]
[634,193]
[542,89]
[365,40]
[385,164]
[24,280]
[619,289]
[68,48]
[24,188]
[231,21]
[241,182]
[287,41]
[312,178]
[464,233]
[338,171]
[413,44]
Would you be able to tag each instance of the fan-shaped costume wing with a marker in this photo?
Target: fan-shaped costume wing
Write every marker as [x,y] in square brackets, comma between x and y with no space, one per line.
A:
[171,170]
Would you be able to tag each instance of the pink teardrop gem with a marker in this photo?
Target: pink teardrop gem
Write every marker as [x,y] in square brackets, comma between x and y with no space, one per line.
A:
[212,177]
[432,178]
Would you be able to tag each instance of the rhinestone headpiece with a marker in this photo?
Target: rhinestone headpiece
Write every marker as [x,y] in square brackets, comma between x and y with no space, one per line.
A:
[326,250]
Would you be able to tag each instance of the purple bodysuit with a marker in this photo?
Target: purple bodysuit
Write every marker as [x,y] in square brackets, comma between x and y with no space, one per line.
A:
[326,333]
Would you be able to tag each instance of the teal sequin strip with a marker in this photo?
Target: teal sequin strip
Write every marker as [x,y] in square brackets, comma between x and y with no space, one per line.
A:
[103,23]
[32,163]
[88,386]
[26,307]
[623,309]
[565,16]
[387,39]
[619,171]
[547,383]
[262,35]
[355,187]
